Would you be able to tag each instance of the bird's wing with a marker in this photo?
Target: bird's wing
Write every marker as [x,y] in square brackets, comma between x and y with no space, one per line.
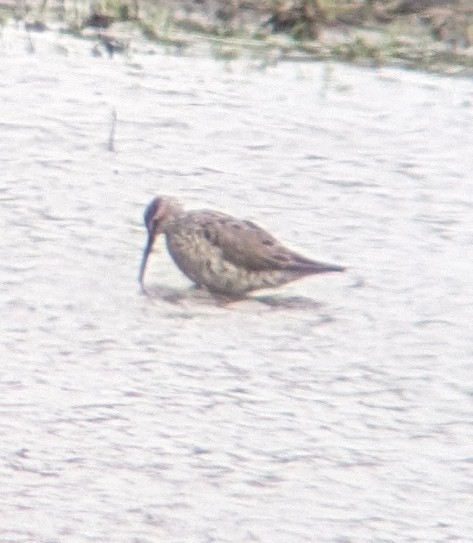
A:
[246,244]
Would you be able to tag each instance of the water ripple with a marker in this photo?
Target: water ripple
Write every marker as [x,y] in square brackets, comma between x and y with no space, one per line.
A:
[336,407]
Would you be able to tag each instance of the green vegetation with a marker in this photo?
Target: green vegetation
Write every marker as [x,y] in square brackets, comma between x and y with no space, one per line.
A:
[373,31]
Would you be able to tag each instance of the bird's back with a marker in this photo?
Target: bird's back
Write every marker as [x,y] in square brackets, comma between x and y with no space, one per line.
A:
[231,256]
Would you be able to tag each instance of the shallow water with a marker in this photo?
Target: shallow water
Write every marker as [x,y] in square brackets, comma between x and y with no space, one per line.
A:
[339,410]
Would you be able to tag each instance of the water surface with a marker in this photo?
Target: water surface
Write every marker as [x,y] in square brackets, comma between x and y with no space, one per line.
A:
[345,416]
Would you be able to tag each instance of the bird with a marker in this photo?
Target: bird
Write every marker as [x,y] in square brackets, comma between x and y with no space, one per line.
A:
[221,253]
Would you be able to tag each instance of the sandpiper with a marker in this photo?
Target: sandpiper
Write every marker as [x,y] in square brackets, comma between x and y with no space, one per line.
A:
[223,254]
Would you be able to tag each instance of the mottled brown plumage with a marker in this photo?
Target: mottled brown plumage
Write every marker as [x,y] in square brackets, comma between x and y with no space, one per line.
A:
[223,254]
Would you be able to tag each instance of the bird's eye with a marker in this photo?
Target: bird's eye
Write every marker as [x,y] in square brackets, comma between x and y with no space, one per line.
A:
[150,211]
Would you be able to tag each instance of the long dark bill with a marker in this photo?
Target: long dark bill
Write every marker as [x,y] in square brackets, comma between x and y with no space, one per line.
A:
[144,258]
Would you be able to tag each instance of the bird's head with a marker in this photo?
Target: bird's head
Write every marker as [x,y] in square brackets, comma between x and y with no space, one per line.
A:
[158,213]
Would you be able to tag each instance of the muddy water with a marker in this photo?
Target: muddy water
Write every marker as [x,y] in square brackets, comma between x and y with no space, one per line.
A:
[341,411]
